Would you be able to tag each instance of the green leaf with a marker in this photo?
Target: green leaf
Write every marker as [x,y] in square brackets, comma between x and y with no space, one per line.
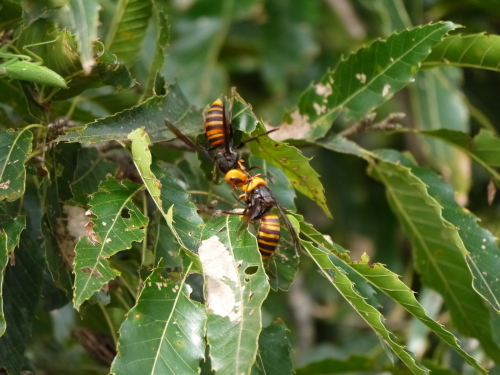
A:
[10,233]
[166,191]
[163,333]
[91,170]
[439,252]
[22,286]
[483,252]
[295,165]
[117,223]
[355,364]
[483,148]
[15,148]
[390,284]
[439,104]
[151,114]
[370,314]
[474,51]
[367,78]
[235,288]
[85,17]
[128,29]
[273,356]
[163,244]
[162,38]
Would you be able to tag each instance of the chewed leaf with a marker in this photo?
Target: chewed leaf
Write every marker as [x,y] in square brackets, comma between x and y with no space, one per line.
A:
[295,165]
[163,333]
[117,223]
[14,151]
[235,287]
[151,114]
[367,78]
[10,233]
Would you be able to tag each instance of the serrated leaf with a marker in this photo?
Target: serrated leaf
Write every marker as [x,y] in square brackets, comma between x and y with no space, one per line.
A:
[480,51]
[163,333]
[438,249]
[91,170]
[355,364]
[162,38]
[438,104]
[85,16]
[483,255]
[483,148]
[10,233]
[151,114]
[22,287]
[370,314]
[294,165]
[128,29]
[15,148]
[166,191]
[273,356]
[368,77]
[235,288]
[117,223]
[390,284]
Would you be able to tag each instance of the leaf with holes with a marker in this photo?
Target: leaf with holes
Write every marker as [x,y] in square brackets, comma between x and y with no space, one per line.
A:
[151,114]
[235,288]
[439,252]
[480,51]
[295,165]
[367,78]
[15,148]
[166,191]
[10,233]
[273,356]
[163,333]
[117,223]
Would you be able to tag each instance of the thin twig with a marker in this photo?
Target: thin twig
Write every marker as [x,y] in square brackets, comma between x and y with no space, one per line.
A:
[391,122]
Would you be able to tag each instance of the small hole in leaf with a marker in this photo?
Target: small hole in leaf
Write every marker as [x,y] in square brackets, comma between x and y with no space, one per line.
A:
[125,213]
[251,270]
[221,230]
[247,279]
[250,296]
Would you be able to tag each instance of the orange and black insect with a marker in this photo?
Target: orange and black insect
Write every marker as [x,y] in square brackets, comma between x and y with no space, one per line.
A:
[219,134]
[260,200]
[268,235]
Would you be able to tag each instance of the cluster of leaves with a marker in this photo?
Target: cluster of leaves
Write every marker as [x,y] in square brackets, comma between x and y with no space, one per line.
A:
[101,217]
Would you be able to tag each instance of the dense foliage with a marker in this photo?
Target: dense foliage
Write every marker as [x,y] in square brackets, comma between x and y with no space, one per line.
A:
[118,254]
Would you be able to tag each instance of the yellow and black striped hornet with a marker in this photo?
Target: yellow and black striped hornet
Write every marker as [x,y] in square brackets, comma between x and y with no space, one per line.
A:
[219,134]
[260,200]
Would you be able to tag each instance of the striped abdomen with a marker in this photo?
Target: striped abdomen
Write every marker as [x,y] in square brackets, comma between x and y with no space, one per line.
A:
[269,235]
[214,124]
